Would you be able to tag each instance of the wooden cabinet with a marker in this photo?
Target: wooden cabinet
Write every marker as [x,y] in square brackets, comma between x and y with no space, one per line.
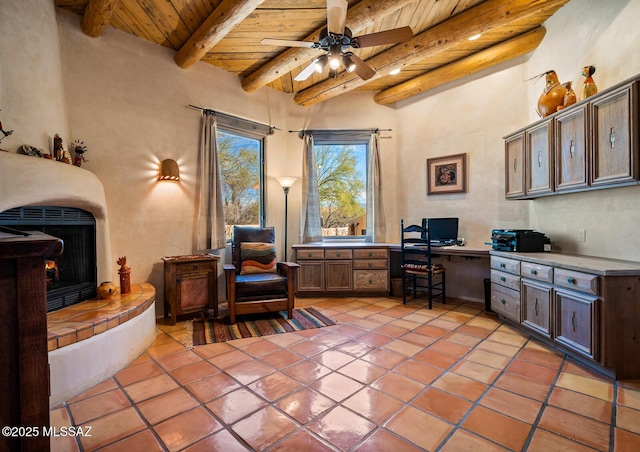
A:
[587,306]
[190,284]
[342,270]
[539,159]
[514,166]
[571,150]
[615,141]
[24,365]
[593,144]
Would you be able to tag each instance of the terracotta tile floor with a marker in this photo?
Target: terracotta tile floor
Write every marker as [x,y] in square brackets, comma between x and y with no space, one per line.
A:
[388,377]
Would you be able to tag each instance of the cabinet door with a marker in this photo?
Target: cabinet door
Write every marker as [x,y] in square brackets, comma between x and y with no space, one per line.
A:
[577,322]
[615,140]
[536,306]
[514,166]
[571,150]
[339,275]
[539,157]
[311,276]
[194,290]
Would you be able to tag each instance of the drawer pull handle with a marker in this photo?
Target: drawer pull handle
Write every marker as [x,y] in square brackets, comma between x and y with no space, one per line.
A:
[574,321]
[370,265]
[534,272]
[310,254]
[195,267]
[502,265]
[572,148]
[370,254]
[536,308]
[570,280]
[503,279]
[371,281]
[612,138]
[502,300]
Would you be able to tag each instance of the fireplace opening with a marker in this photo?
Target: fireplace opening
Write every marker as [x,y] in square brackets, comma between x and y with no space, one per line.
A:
[72,276]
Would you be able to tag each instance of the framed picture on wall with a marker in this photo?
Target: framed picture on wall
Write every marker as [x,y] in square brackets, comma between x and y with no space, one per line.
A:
[446,174]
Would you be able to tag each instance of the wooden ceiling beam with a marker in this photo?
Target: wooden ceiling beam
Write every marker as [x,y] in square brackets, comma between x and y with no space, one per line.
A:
[486,16]
[361,16]
[218,25]
[484,59]
[97,16]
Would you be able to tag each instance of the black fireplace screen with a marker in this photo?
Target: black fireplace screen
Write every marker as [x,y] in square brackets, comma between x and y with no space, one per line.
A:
[71,277]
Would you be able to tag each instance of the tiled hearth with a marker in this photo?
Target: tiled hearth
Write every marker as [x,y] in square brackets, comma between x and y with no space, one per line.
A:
[388,377]
[84,320]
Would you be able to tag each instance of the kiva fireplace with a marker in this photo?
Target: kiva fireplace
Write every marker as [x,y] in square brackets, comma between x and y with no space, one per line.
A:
[71,277]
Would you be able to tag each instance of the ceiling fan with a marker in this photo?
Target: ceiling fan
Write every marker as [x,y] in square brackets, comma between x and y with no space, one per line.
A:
[337,40]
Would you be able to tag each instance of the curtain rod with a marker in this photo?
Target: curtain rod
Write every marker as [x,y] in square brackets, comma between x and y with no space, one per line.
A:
[209,110]
[339,130]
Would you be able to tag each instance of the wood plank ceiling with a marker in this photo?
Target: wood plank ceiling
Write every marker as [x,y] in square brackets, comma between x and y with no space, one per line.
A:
[227,34]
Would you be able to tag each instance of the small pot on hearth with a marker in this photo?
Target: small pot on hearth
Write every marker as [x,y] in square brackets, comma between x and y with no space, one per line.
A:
[107,290]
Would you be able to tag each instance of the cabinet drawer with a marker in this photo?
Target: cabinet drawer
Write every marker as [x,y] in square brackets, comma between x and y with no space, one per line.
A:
[505,265]
[370,263]
[309,254]
[338,254]
[535,271]
[371,253]
[194,267]
[582,282]
[505,279]
[505,301]
[371,279]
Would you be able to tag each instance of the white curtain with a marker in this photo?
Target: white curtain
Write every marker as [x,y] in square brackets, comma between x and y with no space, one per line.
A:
[209,231]
[311,225]
[376,228]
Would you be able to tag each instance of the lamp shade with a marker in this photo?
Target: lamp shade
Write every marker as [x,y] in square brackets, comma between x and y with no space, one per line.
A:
[169,170]
[286,182]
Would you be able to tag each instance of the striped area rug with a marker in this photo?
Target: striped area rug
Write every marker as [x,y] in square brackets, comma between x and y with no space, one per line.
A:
[216,330]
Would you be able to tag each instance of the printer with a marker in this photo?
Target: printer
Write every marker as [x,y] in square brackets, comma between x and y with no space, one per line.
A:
[521,240]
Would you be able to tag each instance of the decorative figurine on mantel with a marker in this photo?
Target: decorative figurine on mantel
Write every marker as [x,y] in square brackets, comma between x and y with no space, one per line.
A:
[589,88]
[125,275]
[552,96]
[569,98]
[58,149]
[79,148]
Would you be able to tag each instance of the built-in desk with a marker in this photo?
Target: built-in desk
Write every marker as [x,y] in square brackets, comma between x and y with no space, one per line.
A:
[344,267]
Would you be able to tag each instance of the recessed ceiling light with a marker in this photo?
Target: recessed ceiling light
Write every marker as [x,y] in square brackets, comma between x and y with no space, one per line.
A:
[474,37]
[394,71]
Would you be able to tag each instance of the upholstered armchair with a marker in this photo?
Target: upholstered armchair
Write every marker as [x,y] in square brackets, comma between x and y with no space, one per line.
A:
[256,282]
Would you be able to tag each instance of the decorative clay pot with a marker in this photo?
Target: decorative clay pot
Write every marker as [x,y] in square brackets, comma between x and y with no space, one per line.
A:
[107,289]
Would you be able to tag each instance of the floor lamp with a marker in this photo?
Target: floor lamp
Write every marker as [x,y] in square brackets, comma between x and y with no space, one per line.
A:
[286,183]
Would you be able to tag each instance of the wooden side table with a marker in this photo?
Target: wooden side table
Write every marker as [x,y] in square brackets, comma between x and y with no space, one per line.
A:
[190,284]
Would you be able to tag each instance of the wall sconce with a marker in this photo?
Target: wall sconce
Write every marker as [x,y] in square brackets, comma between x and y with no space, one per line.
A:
[169,170]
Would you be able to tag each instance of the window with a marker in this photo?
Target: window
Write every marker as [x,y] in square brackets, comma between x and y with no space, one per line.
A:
[241,158]
[342,182]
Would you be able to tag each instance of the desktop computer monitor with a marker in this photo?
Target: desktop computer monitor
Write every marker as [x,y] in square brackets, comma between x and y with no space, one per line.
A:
[441,230]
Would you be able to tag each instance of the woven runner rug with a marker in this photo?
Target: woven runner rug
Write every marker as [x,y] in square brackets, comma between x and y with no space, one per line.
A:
[218,330]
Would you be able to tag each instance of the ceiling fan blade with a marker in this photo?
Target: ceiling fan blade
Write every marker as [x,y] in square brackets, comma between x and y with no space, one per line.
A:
[336,16]
[394,36]
[286,43]
[306,72]
[364,71]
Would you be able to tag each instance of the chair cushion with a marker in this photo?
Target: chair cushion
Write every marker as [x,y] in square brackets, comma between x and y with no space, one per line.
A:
[260,286]
[257,257]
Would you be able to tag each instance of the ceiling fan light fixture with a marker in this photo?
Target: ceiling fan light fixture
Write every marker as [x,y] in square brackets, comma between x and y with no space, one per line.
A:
[334,63]
[320,63]
[348,63]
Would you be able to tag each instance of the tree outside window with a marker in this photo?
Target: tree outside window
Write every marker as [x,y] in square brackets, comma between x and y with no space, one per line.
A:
[241,169]
[342,188]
